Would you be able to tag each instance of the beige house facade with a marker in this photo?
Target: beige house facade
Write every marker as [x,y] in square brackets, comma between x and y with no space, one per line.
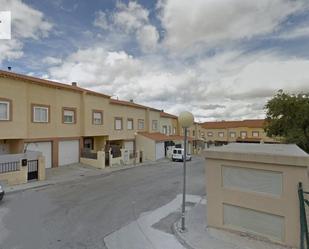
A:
[245,131]
[65,123]
[252,189]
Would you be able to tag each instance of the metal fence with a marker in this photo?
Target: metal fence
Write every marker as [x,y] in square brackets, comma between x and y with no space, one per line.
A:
[9,166]
[303,202]
[86,153]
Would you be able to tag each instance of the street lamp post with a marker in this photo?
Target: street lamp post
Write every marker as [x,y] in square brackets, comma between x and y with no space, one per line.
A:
[186,119]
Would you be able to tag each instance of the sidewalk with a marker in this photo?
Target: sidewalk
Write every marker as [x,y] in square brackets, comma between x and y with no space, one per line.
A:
[198,236]
[69,173]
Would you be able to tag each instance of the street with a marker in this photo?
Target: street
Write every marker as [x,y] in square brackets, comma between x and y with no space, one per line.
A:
[80,214]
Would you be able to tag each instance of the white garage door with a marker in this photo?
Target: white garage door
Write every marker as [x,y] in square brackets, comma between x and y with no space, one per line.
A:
[129,145]
[68,152]
[45,148]
[160,153]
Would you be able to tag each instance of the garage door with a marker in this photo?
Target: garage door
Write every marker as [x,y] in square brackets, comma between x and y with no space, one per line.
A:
[160,153]
[45,148]
[129,145]
[68,152]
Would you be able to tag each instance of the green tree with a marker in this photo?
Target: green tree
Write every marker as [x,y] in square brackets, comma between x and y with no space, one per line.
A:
[287,116]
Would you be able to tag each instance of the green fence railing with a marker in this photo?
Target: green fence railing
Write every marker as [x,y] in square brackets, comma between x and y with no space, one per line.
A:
[304,238]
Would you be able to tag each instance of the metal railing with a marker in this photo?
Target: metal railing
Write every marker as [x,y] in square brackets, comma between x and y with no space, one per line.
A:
[303,202]
[9,166]
[86,153]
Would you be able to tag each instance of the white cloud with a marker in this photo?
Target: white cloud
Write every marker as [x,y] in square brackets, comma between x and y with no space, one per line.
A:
[27,23]
[194,23]
[49,60]
[239,83]
[101,20]
[148,37]
[298,32]
[130,17]
[133,20]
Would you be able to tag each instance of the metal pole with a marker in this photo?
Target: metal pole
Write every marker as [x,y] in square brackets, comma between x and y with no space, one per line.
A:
[184,184]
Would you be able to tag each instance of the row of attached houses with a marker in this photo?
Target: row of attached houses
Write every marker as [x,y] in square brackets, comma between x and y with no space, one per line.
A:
[66,123]
[244,131]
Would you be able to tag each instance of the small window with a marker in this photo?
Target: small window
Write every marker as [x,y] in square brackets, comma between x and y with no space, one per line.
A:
[179,152]
[164,129]
[232,134]
[40,114]
[69,115]
[255,134]
[210,134]
[221,134]
[174,151]
[141,124]
[243,134]
[154,125]
[130,124]
[118,123]
[97,117]
[5,107]
[174,130]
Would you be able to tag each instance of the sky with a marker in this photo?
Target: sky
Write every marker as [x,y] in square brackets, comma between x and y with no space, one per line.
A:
[219,59]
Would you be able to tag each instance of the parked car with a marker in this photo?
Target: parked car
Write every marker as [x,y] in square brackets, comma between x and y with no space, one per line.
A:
[178,155]
[1,192]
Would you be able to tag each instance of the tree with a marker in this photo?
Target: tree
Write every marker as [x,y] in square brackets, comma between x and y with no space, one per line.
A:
[287,116]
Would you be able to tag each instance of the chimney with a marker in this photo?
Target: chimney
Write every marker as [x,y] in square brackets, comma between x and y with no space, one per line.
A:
[9,68]
[74,83]
[131,100]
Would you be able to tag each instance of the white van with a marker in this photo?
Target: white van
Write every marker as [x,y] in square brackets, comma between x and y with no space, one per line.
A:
[178,155]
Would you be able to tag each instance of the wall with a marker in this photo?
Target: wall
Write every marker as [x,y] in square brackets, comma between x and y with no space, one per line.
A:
[124,112]
[154,115]
[97,163]
[148,147]
[266,203]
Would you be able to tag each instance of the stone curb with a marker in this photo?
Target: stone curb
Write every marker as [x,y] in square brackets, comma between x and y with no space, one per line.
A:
[179,237]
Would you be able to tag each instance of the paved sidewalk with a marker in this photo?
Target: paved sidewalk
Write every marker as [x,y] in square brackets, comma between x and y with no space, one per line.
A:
[69,173]
[198,236]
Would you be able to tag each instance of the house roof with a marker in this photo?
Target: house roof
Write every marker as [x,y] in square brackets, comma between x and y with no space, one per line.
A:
[132,104]
[250,123]
[48,83]
[157,136]
[167,115]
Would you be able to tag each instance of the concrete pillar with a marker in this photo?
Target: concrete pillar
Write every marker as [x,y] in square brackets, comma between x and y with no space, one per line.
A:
[41,168]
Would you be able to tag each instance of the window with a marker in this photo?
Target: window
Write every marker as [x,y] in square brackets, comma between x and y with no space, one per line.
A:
[68,115]
[164,129]
[174,130]
[5,109]
[255,134]
[203,135]
[97,117]
[193,133]
[232,134]
[210,134]
[243,134]
[221,134]
[154,125]
[118,123]
[130,124]
[141,124]
[169,130]
[40,114]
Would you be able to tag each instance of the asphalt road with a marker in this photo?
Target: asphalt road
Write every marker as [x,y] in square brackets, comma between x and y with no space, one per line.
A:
[80,214]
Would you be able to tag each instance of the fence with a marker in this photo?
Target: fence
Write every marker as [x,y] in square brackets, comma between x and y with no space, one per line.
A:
[9,166]
[304,237]
[86,153]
